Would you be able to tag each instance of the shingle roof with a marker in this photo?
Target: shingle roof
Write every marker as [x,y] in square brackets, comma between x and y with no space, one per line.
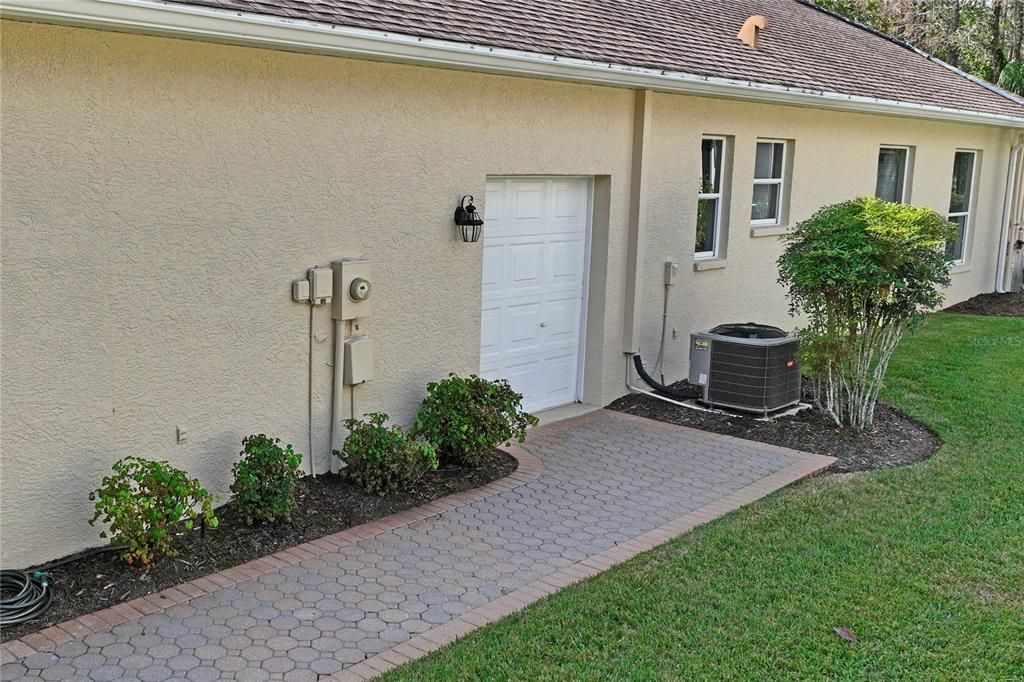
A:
[802,47]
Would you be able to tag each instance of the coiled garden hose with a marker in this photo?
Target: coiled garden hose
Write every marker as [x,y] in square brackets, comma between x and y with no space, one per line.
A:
[23,596]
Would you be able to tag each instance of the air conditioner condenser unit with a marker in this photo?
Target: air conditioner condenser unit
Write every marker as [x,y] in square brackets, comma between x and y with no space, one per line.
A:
[746,366]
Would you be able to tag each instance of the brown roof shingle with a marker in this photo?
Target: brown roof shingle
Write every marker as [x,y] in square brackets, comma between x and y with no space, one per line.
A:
[802,47]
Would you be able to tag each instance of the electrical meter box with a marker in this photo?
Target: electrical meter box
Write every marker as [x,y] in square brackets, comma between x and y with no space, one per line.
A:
[353,286]
[358,360]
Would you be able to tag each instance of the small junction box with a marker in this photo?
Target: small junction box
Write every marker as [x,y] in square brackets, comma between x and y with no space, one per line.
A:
[358,360]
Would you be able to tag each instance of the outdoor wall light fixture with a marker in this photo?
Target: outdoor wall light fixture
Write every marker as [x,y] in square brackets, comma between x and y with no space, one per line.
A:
[468,220]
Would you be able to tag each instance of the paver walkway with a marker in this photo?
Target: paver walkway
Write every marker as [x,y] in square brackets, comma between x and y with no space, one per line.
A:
[591,492]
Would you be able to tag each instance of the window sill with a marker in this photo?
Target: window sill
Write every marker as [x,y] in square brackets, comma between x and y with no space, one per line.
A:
[958,268]
[702,264]
[768,230]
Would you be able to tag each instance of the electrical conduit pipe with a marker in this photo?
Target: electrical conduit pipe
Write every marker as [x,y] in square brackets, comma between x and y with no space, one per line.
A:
[679,395]
[338,391]
[1004,252]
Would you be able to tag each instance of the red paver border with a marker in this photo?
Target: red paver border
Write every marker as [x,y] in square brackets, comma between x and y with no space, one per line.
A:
[806,465]
[529,469]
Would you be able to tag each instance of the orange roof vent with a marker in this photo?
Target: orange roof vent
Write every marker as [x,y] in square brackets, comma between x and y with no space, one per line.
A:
[751,27]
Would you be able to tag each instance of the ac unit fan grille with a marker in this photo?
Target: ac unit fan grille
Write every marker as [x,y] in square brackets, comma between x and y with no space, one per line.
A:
[752,376]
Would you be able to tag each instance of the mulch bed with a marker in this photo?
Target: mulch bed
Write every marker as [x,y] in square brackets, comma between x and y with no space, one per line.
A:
[896,440]
[327,504]
[1005,305]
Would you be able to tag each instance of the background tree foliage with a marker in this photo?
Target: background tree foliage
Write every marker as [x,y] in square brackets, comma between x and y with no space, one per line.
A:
[982,37]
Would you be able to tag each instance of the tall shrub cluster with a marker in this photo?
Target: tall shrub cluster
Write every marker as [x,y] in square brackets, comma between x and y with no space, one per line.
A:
[467,417]
[265,479]
[461,420]
[145,504]
[382,459]
[863,272]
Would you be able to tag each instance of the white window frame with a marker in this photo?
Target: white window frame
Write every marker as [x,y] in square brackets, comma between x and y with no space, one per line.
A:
[905,197]
[716,237]
[780,181]
[968,214]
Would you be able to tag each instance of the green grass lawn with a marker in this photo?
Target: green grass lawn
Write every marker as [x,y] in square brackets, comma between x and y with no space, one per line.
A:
[925,564]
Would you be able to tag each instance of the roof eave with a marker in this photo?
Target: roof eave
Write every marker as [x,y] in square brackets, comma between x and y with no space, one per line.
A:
[240,28]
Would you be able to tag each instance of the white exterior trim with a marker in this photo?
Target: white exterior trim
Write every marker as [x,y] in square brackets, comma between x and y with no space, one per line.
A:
[587,182]
[585,303]
[907,162]
[216,25]
[780,182]
[1005,252]
[718,197]
[968,214]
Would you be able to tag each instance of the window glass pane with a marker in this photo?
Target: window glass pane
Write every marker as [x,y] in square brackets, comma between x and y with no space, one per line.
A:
[892,166]
[766,202]
[963,175]
[778,154]
[955,248]
[707,217]
[711,166]
[764,160]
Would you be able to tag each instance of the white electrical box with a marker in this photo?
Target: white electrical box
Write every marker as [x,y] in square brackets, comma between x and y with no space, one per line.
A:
[353,286]
[358,360]
[321,283]
[671,272]
[300,291]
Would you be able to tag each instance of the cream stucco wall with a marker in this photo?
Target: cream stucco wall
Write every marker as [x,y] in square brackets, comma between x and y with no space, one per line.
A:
[159,195]
[834,158]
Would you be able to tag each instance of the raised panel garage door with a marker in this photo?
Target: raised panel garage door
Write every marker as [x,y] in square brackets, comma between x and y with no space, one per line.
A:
[534,270]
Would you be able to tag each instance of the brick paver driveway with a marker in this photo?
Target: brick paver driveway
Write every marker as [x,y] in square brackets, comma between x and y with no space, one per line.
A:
[606,479]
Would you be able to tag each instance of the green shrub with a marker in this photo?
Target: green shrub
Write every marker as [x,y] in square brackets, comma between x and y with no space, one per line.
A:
[467,417]
[381,459]
[1012,77]
[143,502]
[264,484]
[863,272]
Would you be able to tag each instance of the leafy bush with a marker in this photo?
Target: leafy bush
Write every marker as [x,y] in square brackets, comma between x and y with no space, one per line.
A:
[144,501]
[863,271]
[381,459]
[467,417]
[1012,77]
[264,484]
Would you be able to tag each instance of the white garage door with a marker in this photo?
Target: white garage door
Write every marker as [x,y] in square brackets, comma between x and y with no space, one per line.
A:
[535,242]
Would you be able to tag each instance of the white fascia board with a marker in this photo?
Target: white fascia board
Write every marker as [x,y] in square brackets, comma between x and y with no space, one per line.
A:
[241,28]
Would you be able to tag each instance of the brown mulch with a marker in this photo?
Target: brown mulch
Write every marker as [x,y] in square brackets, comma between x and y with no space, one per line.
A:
[1005,305]
[327,504]
[896,440]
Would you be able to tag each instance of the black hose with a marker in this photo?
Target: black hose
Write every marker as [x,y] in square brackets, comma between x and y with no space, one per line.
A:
[23,596]
[667,391]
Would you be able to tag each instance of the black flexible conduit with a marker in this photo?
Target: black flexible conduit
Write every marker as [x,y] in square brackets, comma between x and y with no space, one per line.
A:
[667,391]
[24,596]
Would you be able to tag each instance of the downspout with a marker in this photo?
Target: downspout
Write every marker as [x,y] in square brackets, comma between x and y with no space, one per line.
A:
[1012,185]
[636,234]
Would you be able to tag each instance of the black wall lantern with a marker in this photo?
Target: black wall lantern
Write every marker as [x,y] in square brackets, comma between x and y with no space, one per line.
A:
[468,220]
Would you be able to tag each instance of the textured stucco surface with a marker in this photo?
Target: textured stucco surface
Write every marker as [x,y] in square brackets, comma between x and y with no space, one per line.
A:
[835,156]
[159,195]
